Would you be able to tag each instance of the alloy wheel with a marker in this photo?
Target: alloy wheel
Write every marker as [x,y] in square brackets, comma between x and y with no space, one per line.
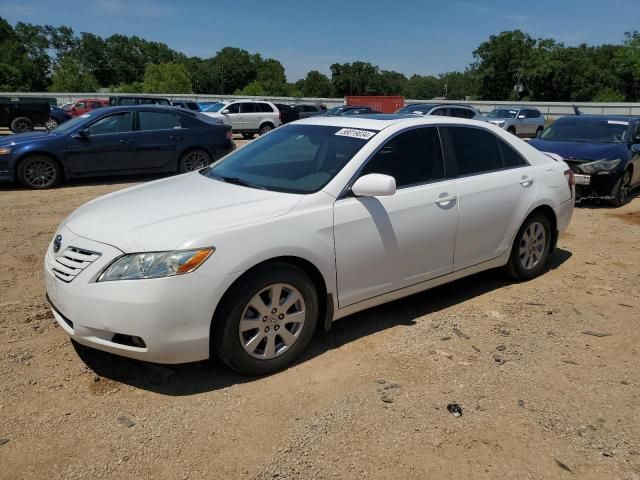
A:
[23,126]
[272,321]
[195,161]
[40,173]
[532,245]
[51,124]
[624,187]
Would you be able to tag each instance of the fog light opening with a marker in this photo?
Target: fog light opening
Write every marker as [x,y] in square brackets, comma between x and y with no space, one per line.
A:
[129,340]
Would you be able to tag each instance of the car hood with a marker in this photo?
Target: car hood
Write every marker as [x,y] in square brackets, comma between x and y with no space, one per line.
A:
[582,150]
[21,138]
[175,213]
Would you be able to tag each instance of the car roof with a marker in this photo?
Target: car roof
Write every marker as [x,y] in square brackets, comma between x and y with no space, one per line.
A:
[381,121]
[585,117]
[151,106]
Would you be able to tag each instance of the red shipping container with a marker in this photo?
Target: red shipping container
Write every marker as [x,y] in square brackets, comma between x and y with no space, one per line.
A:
[381,103]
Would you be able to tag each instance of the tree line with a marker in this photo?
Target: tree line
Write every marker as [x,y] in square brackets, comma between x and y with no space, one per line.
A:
[509,66]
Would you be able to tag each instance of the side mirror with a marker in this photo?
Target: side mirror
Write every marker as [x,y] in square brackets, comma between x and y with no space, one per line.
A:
[635,148]
[225,111]
[84,133]
[521,117]
[374,185]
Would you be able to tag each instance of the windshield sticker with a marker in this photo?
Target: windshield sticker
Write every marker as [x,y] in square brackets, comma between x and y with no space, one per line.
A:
[355,133]
[85,116]
[617,122]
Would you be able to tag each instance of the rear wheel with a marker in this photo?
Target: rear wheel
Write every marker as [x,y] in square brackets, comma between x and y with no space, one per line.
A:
[194,160]
[266,128]
[21,124]
[266,321]
[51,124]
[531,247]
[39,172]
[622,190]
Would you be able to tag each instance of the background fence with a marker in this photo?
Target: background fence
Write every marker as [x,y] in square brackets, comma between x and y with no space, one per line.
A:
[551,110]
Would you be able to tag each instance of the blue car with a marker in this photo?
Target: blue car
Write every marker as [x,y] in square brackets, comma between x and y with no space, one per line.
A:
[602,151]
[57,116]
[115,141]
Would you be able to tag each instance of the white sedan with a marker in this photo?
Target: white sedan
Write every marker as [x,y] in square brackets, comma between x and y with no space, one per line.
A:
[312,222]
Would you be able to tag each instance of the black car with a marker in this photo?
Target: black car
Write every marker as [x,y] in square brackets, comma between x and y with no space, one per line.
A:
[287,113]
[306,111]
[602,151]
[347,110]
[22,116]
[115,141]
[188,104]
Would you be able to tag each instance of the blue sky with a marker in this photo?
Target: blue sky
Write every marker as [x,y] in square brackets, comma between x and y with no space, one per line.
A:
[425,37]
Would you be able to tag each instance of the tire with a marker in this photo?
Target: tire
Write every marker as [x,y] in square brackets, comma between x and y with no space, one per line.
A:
[538,131]
[247,136]
[621,190]
[194,160]
[21,124]
[512,130]
[265,128]
[259,350]
[39,172]
[529,258]
[51,123]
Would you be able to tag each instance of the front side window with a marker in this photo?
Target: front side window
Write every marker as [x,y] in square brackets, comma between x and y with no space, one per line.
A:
[117,123]
[158,121]
[533,114]
[476,150]
[233,108]
[412,157]
[294,158]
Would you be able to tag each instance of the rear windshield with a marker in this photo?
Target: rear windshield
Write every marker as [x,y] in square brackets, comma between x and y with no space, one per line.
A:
[600,131]
[294,158]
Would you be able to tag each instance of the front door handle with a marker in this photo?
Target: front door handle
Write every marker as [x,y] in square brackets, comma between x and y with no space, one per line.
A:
[175,137]
[526,181]
[125,141]
[445,198]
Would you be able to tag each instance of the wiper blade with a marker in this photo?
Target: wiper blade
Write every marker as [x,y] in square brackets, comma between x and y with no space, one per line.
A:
[238,181]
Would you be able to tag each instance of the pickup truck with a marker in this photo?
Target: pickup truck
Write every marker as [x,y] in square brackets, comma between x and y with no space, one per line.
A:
[22,116]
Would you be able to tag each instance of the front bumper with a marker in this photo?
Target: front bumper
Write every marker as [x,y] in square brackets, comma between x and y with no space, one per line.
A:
[602,186]
[172,316]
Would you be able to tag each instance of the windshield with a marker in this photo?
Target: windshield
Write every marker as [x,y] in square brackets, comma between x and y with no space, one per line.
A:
[71,124]
[214,107]
[502,113]
[294,158]
[417,109]
[601,131]
[334,111]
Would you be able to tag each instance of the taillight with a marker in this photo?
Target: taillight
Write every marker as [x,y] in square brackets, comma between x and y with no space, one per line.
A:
[571,180]
[280,115]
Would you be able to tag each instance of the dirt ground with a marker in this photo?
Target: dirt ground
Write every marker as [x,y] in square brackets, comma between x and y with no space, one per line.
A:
[546,374]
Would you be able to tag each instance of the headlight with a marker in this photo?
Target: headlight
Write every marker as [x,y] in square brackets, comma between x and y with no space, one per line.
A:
[599,166]
[138,266]
[5,151]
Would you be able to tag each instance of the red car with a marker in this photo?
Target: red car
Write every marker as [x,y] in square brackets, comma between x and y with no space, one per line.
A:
[85,105]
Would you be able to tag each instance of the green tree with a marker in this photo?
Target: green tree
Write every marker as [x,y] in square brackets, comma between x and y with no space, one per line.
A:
[233,68]
[315,84]
[68,76]
[255,89]
[270,74]
[423,87]
[167,78]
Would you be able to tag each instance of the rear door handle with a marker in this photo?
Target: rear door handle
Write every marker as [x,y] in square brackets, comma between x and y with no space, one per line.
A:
[526,181]
[175,137]
[445,198]
[125,141]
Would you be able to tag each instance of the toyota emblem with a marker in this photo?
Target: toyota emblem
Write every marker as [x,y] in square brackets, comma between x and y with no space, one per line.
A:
[57,243]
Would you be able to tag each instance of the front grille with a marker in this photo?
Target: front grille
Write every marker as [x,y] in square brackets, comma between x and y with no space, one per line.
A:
[71,262]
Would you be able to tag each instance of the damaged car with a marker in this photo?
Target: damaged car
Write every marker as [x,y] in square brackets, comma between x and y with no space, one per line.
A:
[602,151]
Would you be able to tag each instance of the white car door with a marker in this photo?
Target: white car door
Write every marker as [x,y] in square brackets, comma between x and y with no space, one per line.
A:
[234,116]
[495,188]
[386,243]
[249,116]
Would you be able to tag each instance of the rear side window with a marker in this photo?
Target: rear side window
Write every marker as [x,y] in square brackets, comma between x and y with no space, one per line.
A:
[126,101]
[80,105]
[411,157]
[247,107]
[264,107]
[463,113]
[158,121]
[441,112]
[476,150]
[510,158]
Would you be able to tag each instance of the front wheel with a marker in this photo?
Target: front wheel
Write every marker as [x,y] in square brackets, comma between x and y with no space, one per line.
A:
[512,130]
[39,172]
[530,251]
[622,190]
[51,124]
[266,321]
[194,160]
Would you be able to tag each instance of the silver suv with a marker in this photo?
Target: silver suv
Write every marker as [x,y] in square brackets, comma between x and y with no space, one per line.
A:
[521,121]
[445,110]
[247,117]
